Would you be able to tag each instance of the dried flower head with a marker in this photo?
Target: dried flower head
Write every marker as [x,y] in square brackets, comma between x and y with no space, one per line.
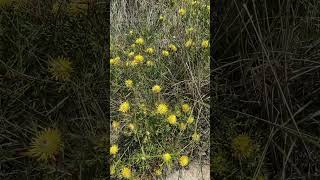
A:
[46,145]
[61,68]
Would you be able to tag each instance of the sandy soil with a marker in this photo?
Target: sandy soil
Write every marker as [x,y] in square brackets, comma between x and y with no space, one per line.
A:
[193,172]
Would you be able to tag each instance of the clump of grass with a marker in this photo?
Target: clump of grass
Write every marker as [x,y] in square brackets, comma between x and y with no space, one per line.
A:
[53,73]
[164,125]
[265,82]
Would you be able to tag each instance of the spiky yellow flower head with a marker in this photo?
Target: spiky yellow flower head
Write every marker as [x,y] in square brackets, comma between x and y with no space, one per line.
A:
[115,61]
[150,50]
[60,68]
[190,30]
[184,161]
[156,89]
[190,120]
[133,63]
[150,63]
[115,125]
[131,126]
[166,157]
[172,119]
[133,45]
[114,149]
[205,44]
[189,43]
[196,137]
[186,108]
[158,172]
[126,172]
[139,41]
[161,18]
[139,58]
[124,107]
[130,54]
[46,145]
[165,53]
[112,170]
[182,126]
[162,109]
[242,146]
[182,11]
[129,83]
[173,47]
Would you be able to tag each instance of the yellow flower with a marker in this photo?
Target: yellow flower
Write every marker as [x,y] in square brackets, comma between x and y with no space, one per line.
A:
[208,7]
[46,145]
[115,125]
[194,2]
[242,146]
[133,45]
[162,109]
[190,120]
[190,30]
[150,63]
[173,47]
[126,172]
[114,149]
[182,12]
[139,58]
[150,50]
[115,61]
[172,119]
[112,170]
[205,43]
[161,18]
[61,68]
[133,63]
[156,89]
[124,107]
[182,126]
[186,108]
[196,137]
[166,157]
[158,172]
[129,83]
[189,43]
[165,53]
[140,41]
[131,126]
[131,54]
[184,161]
[130,32]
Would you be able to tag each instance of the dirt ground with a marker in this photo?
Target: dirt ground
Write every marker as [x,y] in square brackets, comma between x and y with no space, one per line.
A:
[194,172]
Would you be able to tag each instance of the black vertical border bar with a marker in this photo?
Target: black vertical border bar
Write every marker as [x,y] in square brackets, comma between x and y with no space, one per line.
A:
[107,60]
